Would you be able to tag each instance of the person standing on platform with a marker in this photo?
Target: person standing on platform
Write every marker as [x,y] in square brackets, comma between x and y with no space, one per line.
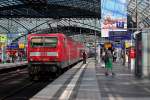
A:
[108,63]
[84,55]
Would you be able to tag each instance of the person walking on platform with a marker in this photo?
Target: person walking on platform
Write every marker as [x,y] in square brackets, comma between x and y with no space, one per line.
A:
[114,56]
[108,63]
[84,57]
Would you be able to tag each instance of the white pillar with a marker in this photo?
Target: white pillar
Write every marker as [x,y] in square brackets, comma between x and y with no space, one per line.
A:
[98,54]
[132,65]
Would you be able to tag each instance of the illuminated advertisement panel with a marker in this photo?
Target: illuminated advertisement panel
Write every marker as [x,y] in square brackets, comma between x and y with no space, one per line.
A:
[3,37]
[114,16]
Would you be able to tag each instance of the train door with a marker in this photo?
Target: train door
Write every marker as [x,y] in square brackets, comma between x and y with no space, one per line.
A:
[138,60]
[65,52]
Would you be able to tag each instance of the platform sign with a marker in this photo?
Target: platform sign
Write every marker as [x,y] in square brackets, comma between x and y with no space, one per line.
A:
[13,46]
[120,24]
[21,46]
[107,45]
[12,35]
[119,35]
[3,38]
[127,44]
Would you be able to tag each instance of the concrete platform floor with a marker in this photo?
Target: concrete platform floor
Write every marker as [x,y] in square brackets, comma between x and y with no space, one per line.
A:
[94,85]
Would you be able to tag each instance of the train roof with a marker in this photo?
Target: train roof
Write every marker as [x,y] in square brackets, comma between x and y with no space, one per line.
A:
[47,34]
[53,34]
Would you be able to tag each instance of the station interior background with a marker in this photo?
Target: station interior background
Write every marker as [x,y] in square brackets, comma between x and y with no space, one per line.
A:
[18,18]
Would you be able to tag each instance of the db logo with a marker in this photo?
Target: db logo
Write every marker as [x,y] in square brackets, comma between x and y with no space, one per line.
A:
[43,54]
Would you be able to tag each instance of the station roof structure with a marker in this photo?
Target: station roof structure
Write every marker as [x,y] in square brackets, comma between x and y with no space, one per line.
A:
[26,16]
[17,25]
[50,8]
[139,10]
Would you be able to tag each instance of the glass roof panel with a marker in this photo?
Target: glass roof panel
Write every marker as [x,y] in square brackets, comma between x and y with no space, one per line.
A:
[148,11]
[143,11]
[16,25]
[84,4]
[9,2]
[42,8]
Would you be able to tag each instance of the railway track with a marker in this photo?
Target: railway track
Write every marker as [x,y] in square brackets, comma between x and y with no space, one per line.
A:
[25,92]
[11,75]
[10,69]
[17,86]
[14,92]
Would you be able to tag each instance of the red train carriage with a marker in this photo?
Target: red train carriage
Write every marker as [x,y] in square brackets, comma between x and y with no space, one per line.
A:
[50,53]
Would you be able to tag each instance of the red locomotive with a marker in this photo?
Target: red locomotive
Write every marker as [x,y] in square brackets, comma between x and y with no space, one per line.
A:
[50,53]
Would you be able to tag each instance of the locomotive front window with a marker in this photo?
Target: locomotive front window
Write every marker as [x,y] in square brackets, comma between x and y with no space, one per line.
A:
[37,41]
[44,41]
[50,41]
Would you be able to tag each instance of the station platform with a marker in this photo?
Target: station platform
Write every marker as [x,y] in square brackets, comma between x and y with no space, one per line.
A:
[12,65]
[88,82]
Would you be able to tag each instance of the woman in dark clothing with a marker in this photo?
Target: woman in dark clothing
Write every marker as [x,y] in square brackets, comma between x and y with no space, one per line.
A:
[84,57]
